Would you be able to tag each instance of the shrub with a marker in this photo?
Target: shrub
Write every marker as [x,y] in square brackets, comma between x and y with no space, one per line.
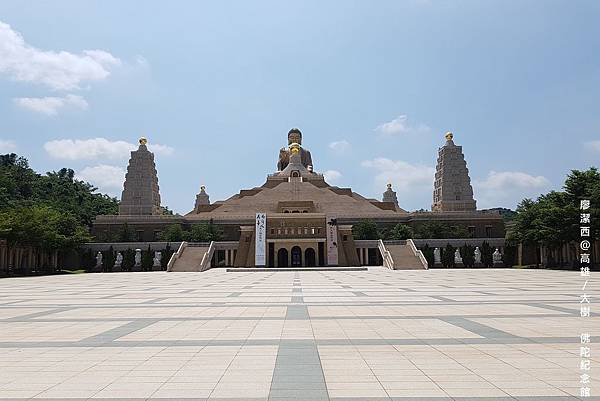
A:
[147,259]
[467,253]
[128,260]
[166,256]
[108,259]
[448,256]
[487,252]
[428,253]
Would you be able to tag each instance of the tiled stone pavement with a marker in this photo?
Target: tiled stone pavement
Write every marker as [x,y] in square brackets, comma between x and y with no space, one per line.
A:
[376,335]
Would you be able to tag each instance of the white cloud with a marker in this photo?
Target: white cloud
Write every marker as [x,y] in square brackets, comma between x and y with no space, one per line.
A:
[160,149]
[413,183]
[97,148]
[340,146]
[7,146]
[508,188]
[507,179]
[60,70]
[332,176]
[107,178]
[400,126]
[402,175]
[51,105]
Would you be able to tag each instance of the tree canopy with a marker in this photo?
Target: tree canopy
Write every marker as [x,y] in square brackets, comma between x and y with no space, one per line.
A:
[20,186]
[201,232]
[365,229]
[51,211]
[553,219]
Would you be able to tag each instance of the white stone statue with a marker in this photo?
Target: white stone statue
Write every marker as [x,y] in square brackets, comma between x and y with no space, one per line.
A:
[437,256]
[138,257]
[99,259]
[118,260]
[157,258]
[457,257]
[497,256]
[477,255]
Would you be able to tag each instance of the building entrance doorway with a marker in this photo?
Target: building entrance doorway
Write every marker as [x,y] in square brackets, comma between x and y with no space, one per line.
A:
[296,256]
[282,257]
[309,257]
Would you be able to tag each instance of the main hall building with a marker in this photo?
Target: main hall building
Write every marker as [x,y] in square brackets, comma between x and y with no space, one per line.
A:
[295,218]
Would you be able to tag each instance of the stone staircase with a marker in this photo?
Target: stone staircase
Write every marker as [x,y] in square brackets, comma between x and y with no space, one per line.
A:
[189,258]
[404,256]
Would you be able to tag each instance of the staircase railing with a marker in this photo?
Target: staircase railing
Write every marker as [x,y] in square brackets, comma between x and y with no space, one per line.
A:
[418,253]
[386,255]
[206,259]
[176,255]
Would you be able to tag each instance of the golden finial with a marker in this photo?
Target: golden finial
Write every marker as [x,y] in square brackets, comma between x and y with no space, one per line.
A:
[143,141]
[202,188]
[389,186]
[294,148]
[449,136]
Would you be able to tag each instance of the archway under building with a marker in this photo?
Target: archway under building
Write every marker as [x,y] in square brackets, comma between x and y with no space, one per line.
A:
[309,257]
[282,257]
[296,256]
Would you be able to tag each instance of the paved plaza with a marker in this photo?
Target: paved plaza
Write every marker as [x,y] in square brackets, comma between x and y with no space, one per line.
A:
[376,335]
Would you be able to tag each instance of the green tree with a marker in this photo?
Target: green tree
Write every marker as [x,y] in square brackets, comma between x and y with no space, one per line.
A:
[365,229]
[487,255]
[147,259]
[448,256]
[428,253]
[128,260]
[166,256]
[400,232]
[88,262]
[21,186]
[173,233]
[467,253]
[108,259]
[203,232]
[553,219]
[166,211]
[41,226]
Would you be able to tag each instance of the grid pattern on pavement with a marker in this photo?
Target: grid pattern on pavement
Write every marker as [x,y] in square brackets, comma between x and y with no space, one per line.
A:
[376,335]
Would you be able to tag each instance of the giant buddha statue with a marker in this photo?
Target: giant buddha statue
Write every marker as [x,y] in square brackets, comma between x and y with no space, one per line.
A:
[294,136]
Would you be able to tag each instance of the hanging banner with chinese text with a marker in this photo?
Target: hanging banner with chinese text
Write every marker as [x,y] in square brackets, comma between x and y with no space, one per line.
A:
[261,240]
[332,245]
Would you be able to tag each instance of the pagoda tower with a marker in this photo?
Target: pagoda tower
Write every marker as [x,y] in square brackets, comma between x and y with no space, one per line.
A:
[140,191]
[390,196]
[452,190]
[202,199]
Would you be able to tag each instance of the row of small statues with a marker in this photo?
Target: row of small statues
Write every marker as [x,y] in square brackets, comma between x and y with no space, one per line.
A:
[496,256]
[138,259]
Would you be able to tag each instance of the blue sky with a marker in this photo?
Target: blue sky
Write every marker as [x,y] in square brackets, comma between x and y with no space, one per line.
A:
[372,85]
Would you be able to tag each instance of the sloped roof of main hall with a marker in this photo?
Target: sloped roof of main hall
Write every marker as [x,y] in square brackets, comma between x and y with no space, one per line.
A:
[341,202]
